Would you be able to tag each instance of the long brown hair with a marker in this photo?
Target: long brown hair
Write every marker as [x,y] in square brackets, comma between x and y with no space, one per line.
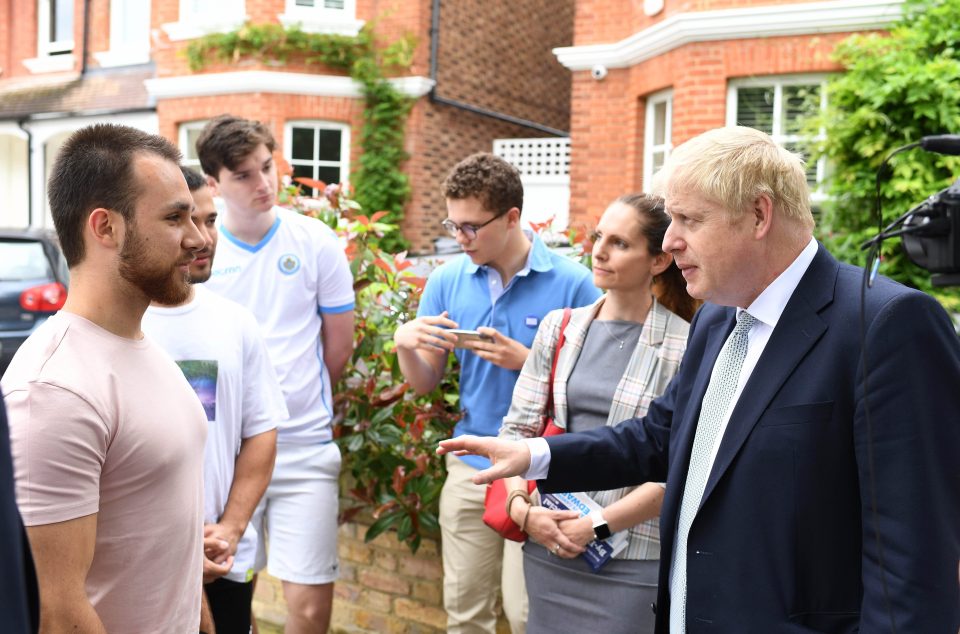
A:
[669,287]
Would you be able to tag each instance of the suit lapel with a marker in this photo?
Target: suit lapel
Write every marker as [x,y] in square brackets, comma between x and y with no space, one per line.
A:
[799,328]
[687,426]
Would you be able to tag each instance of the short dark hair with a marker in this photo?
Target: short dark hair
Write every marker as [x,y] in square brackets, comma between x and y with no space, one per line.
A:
[195,179]
[95,169]
[488,178]
[227,140]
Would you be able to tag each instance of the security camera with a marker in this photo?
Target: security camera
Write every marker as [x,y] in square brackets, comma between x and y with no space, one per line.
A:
[598,72]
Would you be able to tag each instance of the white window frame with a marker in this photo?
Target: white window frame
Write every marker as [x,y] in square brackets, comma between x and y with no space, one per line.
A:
[649,147]
[778,82]
[319,124]
[217,19]
[183,141]
[46,47]
[318,19]
[127,53]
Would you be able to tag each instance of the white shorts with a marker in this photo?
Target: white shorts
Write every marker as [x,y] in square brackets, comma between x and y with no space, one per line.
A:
[298,515]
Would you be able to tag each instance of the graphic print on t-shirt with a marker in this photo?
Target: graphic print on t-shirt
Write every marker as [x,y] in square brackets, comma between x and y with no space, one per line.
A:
[202,377]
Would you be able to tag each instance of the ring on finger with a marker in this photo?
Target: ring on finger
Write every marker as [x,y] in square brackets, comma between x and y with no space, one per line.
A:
[556,549]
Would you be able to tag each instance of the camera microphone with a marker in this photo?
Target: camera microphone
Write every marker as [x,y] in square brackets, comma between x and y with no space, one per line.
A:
[942,144]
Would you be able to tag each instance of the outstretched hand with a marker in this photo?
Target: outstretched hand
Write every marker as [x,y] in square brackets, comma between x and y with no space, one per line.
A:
[509,457]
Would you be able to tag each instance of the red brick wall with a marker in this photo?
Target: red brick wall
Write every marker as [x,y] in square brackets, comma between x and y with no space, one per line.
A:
[438,137]
[273,109]
[99,30]
[535,86]
[604,21]
[395,19]
[498,55]
[607,117]
[6,44]
[19,31]
[22,42]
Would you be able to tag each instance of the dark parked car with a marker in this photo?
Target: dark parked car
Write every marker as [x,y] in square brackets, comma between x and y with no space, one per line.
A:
[33,285]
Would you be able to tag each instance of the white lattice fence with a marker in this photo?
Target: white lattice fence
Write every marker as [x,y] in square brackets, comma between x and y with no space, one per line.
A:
[544,166]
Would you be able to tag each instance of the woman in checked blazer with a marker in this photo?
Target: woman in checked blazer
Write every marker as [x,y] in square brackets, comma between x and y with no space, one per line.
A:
[619,354]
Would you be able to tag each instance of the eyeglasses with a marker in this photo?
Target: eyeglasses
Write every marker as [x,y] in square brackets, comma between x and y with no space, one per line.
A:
[469,231]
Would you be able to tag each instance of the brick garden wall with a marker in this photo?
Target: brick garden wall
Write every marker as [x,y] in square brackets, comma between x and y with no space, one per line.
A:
[383,588]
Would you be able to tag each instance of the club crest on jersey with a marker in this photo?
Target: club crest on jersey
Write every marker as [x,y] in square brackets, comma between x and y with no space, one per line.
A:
[288,264]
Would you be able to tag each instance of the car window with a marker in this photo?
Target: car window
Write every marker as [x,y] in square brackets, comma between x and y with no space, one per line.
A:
[22,260]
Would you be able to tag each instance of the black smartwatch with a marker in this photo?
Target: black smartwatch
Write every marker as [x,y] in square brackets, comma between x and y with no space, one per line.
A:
[600,528]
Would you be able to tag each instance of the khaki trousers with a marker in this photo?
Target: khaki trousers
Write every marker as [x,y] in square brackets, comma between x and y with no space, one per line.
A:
[477,562]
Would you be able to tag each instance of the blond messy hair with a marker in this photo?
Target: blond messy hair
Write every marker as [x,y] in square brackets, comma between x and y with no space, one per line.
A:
[732,166]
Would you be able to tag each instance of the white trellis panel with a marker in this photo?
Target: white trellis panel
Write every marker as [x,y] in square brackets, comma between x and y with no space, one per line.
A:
[544,166]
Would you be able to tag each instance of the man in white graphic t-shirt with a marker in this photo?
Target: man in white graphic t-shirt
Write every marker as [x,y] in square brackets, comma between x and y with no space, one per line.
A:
[217,344]
[106,434]
[292,273]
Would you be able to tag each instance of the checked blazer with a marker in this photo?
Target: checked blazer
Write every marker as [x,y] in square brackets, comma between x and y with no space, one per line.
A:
[655,360]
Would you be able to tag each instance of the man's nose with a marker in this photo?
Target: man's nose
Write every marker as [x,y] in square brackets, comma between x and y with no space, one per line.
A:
[207,235]
[193,239]
[671,242]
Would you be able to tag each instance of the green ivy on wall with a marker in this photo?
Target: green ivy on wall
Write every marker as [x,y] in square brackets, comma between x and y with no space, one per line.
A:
[378,182]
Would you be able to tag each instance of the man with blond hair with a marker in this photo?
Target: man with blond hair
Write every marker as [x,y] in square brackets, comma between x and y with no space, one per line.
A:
[804,493]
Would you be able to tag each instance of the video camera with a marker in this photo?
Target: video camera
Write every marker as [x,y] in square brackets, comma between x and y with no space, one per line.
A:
[931,236]
[930,231]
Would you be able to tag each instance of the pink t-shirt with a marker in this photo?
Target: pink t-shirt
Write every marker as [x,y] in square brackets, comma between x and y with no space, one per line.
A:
[108,425]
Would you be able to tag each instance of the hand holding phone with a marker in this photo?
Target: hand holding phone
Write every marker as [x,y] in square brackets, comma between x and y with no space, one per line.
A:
[499,349]
[465,336]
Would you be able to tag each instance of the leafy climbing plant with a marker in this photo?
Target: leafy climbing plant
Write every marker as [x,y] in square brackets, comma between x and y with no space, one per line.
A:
[379,180]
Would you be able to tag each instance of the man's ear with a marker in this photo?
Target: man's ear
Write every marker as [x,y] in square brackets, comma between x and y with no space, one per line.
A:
[212,184]
[762,215]
[661,262]
[105,227]
[513,217]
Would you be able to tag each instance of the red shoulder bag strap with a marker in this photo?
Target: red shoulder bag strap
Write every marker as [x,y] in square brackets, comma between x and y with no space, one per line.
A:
[556,355]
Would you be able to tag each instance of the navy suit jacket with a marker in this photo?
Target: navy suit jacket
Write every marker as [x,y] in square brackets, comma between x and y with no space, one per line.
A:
[785,537]
[19,605]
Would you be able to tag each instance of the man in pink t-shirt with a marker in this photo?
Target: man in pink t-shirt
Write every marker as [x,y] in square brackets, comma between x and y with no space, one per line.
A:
[107,435]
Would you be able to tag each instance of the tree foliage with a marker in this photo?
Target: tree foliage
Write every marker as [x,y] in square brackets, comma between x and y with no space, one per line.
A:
[898,87]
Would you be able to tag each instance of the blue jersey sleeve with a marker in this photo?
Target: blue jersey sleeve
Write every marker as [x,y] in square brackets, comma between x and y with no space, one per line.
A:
[432,302]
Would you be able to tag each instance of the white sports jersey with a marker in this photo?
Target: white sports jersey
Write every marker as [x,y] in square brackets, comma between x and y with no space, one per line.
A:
[297,272]
[218,346]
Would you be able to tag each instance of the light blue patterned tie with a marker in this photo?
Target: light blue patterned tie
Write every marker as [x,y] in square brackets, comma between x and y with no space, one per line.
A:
[716,401]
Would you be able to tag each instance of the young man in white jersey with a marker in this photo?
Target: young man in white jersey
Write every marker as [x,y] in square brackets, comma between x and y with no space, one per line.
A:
[107,435]
[217,344]
[292,273]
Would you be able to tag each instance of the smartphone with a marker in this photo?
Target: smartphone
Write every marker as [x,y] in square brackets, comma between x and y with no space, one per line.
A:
[468,335]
